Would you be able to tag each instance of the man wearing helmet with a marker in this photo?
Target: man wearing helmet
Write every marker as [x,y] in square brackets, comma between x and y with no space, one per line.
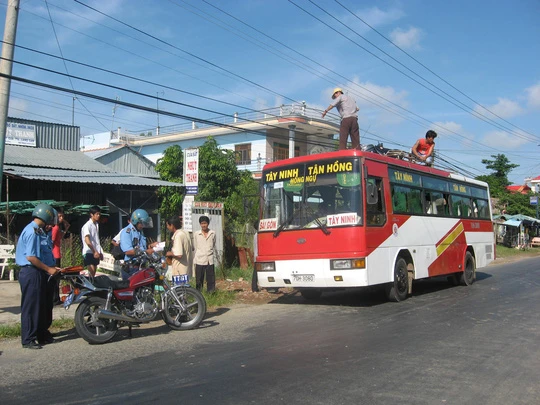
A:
[33,277]
[132,239]
[349,118]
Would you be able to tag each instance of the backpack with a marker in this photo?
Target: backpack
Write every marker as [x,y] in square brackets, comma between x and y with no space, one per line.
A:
[117,253]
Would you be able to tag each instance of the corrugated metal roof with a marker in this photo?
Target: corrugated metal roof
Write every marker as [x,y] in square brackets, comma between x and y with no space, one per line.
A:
[52,135]
[124,159]
[70,176]
[53,158]
[97,153]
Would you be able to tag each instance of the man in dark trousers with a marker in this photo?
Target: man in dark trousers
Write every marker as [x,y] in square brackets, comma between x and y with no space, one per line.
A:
[32,278]
[348,110]
[204,242]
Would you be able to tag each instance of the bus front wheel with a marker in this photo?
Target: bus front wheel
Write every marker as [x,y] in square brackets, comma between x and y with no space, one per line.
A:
[397,290]
[469,272]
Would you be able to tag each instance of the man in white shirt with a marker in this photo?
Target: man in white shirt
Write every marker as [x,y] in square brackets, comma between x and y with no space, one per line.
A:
[181,253]
[92,251]
[205,241]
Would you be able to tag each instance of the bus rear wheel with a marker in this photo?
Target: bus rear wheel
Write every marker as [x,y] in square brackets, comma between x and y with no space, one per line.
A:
[397,290]
[469,272]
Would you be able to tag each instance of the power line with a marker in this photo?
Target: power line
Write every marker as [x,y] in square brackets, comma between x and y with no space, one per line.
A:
[466,108]
[64,62]
[430,70]
[187,52]
[369,99]
[143,57]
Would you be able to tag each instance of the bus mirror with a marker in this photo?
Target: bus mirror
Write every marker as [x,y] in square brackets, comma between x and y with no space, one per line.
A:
[372,196]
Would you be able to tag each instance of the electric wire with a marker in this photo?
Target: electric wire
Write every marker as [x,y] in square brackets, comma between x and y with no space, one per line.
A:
[143,57]
[465,107]
[476,114]
[350,81]
[188,53]
[64,62]
[430,70]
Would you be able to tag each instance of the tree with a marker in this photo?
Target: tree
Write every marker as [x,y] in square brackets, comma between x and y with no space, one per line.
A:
[218,175]
[498,179]
[171,168]
[242,208]
[517,203]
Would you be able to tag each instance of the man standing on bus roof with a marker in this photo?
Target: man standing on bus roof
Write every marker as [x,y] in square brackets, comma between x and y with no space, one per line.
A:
[348,110]
[423,148]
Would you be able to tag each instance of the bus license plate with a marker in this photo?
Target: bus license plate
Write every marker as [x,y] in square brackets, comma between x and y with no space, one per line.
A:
[304,277]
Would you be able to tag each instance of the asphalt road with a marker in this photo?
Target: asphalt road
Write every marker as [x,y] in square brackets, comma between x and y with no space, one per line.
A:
[444,345]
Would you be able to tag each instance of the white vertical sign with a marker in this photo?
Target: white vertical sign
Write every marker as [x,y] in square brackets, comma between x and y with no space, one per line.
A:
[191,170]
[187,206]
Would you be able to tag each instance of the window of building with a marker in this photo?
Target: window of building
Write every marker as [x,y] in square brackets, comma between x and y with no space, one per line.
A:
[281,151]
[243,154]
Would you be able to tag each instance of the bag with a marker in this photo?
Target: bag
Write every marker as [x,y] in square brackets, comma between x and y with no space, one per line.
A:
[117,253]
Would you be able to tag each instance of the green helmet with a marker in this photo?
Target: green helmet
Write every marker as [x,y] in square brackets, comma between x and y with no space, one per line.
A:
[141,216]
[46,213]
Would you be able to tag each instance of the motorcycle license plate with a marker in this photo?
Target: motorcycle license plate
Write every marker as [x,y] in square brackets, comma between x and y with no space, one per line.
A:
[181,279]
[309,278]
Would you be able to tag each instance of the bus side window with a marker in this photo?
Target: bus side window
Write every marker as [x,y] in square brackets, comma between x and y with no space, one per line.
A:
[415,201]
[376,215]
[399,199]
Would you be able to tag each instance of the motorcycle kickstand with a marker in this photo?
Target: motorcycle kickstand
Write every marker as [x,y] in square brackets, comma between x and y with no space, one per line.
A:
[129,331]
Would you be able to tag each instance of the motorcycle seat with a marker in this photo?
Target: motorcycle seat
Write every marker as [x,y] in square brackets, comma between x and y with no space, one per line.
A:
[106,282]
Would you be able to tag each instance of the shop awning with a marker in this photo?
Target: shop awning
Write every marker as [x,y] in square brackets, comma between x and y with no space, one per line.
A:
[512,222]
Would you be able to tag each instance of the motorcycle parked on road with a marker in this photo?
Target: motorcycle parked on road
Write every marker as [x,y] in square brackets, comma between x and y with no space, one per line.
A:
[105,305]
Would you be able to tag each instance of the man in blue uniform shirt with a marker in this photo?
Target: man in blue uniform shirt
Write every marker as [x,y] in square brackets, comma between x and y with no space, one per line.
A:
[32,278]
[132,239]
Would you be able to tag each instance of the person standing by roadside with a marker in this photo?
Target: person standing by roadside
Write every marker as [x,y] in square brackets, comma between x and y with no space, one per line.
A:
[348,110]
[181,253]
[205,241]
[31,277]
[58,233]
[50,283]
[91,250]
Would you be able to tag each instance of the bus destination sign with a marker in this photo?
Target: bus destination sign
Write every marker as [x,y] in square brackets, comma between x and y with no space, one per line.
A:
[295,176]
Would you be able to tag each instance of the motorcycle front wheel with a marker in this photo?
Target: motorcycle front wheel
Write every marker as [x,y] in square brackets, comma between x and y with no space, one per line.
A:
[89,327]
[194,308]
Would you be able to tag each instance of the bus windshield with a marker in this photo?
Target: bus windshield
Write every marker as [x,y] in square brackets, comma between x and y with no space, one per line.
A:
[318,194]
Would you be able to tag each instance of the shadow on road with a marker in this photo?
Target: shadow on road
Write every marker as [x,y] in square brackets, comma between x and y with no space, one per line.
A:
[370,296]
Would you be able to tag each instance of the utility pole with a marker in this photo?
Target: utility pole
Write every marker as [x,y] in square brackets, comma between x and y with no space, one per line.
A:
[6,67]
[73,112]
[157,104]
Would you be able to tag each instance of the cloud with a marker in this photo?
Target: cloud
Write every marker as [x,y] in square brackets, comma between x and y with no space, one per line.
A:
[17,107]
[533,96]
[449,132]
[504,140]
[376,17]
[409,39]
[504,108]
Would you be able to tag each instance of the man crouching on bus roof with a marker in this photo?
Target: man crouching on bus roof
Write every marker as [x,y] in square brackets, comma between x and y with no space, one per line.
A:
[423,148]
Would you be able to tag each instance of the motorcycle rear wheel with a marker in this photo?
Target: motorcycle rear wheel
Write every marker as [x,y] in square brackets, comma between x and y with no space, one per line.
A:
[194,303]
[89,327]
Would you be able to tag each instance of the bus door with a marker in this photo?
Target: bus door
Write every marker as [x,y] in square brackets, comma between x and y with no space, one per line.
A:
[378,227]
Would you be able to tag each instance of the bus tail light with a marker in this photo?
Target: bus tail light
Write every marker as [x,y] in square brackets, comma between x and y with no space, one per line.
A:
[348,264]
[265,266]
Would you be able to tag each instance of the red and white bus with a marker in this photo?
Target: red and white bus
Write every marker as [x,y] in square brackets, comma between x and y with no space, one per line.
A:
[352,219]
